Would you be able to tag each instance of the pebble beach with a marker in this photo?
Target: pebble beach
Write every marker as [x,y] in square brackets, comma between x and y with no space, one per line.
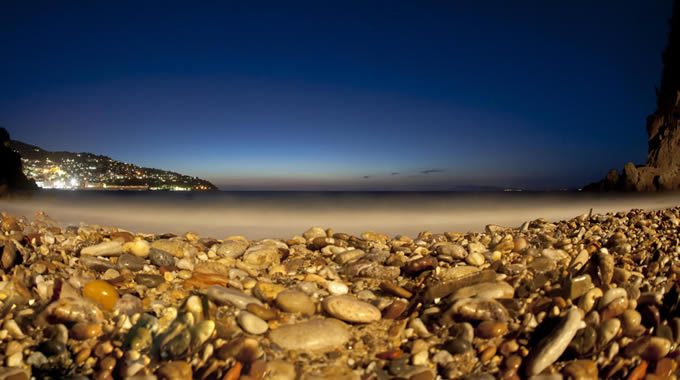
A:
[595,296]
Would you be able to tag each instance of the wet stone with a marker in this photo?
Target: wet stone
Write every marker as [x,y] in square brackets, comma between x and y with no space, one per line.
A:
[97,264]
[102,293]
[578,286]
[395,310]
[457,346]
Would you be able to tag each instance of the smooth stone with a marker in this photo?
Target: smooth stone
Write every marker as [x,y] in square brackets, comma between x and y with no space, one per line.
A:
[131,262]
[456,251]
[128,305]
[496,289]
[491,329]
[84,331]
[457,346]
[280,370]
[395,310]
[607,330]
[176,370]
[457,272]
[551,347]
[224,296]
[450,286]
[52,347]
[351,309]
[605,266]
[395,290]
[649,348]
[314,232]
[266,291]
[294,301]
[611,295]
[475,258]
[149,280]
[581,370]
[107,248]
[262,256]
[262,312]
[161,258]
[97,264]
[336,288]
[630,319]
[347,256]
[478,309]
[578,286]
[233,248]
[316,334]
[251,323]
[419,265]
[173,247]
[102,293]
[140,248]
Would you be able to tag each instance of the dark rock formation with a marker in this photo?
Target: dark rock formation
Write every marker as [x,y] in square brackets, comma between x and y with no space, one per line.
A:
[662,171]
[12,178]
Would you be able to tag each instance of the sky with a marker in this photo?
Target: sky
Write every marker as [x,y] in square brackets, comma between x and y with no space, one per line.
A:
[339,95]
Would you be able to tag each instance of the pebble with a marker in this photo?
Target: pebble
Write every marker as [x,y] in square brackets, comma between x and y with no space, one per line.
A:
[262,256]
[479,309]
[350,309]
[496,289]
[84,331]
[131,262]
[475,258]
[581,370]
[161,258]
[149,280]
[108,248]
[491,329]
[233,248]
[293,301]
[337,288]
[316,334]
[97,264]
[251,323]
[224,296]
[395,290]
[102,293]
[551,347]
[452,250]
[650,348]
[139,248]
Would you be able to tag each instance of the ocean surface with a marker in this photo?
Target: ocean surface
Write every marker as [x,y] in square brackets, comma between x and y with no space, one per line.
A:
[258,215]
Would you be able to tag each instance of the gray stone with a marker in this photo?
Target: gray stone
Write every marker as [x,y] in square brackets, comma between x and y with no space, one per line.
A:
[131,262]
[224,296]
[161,258]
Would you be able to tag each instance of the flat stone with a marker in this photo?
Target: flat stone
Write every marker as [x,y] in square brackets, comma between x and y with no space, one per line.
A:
[316,334]
[578,286]
[350,309]
[97,264]
[173,247]
[395,290]
[149,280]
[107,248]
[649,348]
[232,248]
[251,323]
[131,262]
[495,289]
[294,301]
[478,309]
[551,347]
[262,256]
[448,287]
[347,256]
[224,296]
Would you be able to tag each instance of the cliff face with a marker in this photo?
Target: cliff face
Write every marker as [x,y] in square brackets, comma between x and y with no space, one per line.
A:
[12,178]
[662,171]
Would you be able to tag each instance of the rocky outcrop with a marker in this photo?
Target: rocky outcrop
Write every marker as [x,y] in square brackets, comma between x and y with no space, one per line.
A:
[662,171]
[12,178]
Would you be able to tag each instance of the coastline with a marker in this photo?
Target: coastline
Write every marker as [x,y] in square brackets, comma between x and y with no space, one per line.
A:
[507,302]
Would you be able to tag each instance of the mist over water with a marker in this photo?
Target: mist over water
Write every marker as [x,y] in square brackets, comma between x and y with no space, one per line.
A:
[258,215]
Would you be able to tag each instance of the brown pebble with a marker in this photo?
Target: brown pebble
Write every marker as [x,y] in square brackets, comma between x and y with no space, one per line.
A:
[487,354]
[491,329]
[581,369]
[395,290]
[258,368]
[419,265]
[174,371]
[639,372]
[83,355]
[103,375]
[261,311]
[509,347]
[427,375]
[395,310]
[513,362]
[390,355]
[83,331]
[665,367]
[520,245]
[103,348]
[107,364]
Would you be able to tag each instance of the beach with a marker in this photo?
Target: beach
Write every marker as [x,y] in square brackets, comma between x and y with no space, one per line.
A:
[593,295]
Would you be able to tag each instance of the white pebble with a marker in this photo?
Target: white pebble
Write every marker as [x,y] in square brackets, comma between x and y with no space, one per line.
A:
[337,288]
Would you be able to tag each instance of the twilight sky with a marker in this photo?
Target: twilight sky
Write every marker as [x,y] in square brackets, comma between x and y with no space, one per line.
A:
[425,95]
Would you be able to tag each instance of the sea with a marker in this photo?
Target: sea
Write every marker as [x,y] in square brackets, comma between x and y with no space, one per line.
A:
[275,214]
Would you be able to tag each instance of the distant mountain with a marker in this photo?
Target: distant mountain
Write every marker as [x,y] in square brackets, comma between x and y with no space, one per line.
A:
[91,171]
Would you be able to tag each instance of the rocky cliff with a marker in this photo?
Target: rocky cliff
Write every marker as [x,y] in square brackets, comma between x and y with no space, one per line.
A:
[662,171]
[12,178]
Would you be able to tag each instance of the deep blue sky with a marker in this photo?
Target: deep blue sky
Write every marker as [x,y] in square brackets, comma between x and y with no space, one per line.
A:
[359,95]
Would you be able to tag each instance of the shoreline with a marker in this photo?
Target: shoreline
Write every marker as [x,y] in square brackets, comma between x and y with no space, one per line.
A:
[594,295]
